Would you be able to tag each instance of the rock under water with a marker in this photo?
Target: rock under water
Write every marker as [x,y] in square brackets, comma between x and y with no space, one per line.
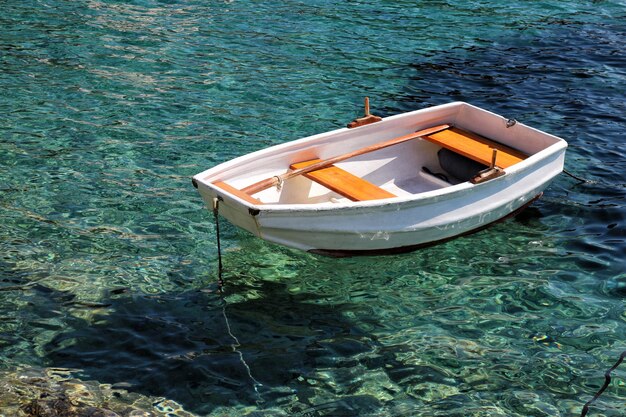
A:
[54,392]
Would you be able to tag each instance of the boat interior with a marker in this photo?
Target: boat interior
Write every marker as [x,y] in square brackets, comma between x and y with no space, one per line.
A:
[425,163]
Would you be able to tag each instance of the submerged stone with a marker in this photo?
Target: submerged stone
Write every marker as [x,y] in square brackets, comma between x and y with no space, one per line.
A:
[53,392]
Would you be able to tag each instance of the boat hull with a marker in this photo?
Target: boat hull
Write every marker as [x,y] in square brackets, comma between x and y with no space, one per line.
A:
[404,249]
[396,224]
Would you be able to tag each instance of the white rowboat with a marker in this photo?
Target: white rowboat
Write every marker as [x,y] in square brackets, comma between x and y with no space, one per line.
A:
[395,185]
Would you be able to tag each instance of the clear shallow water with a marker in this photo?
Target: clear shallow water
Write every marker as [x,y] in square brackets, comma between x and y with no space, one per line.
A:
[108,260]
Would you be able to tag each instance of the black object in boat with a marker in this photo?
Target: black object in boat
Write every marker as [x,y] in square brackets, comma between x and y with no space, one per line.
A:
[439,175]
[458,166]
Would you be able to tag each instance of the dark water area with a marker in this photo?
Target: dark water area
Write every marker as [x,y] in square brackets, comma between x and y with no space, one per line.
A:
[108,261]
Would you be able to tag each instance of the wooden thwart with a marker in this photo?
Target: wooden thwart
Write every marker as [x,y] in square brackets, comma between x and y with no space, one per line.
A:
[476,147]
[232,190]
[343,183]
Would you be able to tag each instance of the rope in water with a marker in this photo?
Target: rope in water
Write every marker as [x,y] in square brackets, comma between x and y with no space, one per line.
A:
[607,380]
[255,384]
[575,176]
[585,181]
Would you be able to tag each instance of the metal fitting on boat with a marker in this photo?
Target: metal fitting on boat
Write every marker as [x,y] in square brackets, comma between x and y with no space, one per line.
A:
[511,122]
[279,182]
[216,203]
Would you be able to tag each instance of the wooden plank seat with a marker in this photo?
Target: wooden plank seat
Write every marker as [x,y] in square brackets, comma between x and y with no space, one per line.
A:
[232,190]
[343,183]
[476,147]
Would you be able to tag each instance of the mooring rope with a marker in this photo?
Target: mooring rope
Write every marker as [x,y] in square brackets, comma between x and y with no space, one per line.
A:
[216,207]
[607,380]
[600,183]
[576,177]
[255,384]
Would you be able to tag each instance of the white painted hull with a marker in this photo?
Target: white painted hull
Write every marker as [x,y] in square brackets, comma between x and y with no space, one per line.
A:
[425,210]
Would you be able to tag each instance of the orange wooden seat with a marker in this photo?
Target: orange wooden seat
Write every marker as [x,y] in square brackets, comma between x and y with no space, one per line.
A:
[344,183]
[476,147]
[232,190]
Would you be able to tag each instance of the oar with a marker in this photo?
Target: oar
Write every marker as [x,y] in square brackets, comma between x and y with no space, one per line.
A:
[270,182]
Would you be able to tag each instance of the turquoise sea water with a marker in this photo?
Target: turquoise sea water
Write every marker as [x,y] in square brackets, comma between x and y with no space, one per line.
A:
[108,260]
